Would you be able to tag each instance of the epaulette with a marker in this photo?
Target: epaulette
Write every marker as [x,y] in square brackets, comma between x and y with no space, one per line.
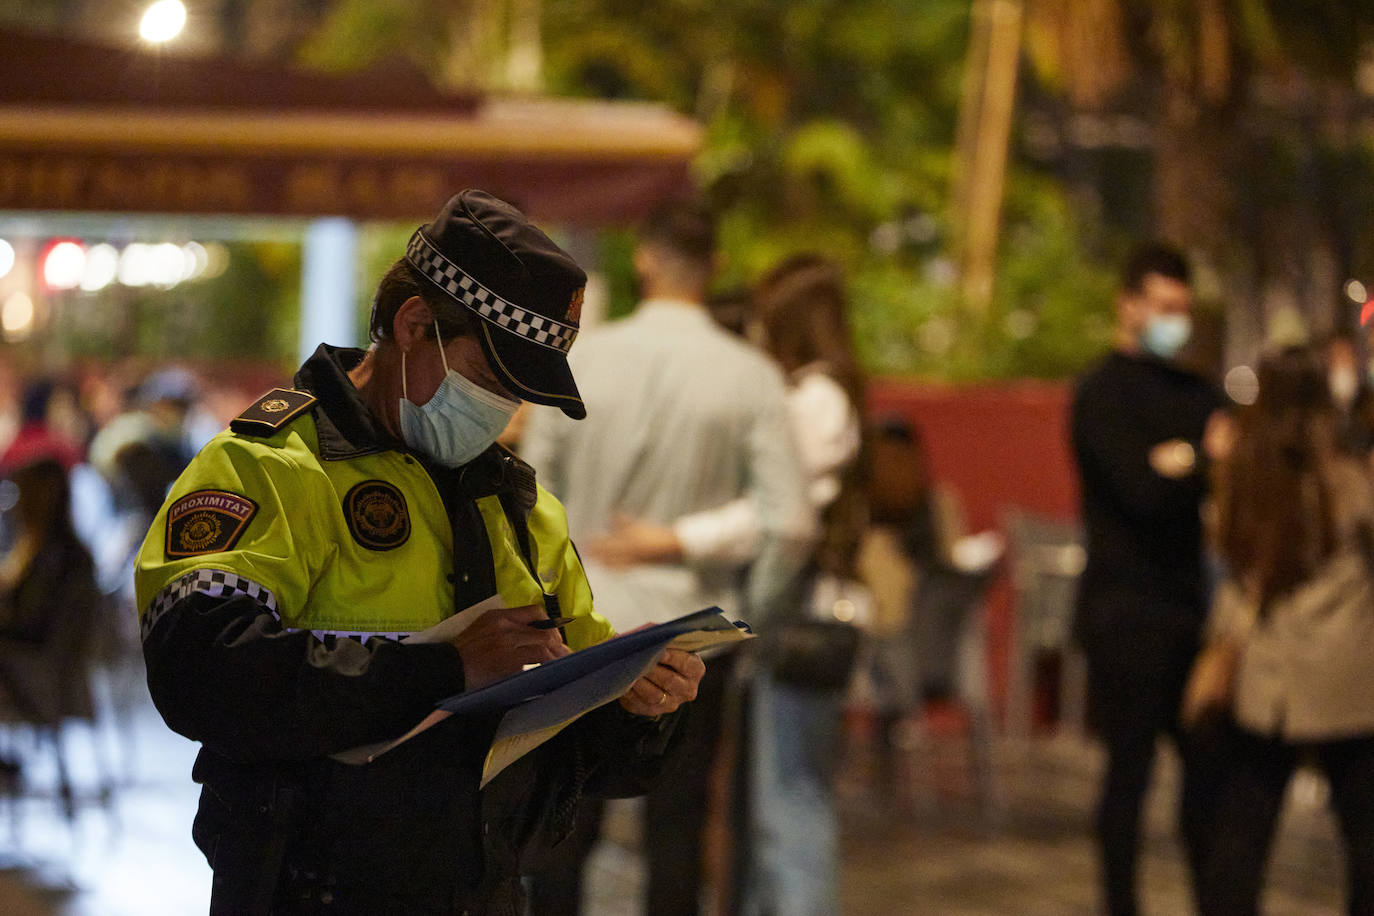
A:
[272,411]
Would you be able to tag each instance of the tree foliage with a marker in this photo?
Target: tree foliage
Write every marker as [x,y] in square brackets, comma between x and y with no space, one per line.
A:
[829,125]
[1252,109]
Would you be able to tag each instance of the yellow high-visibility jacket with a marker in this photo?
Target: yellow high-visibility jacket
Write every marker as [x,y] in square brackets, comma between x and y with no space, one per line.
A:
[285,563]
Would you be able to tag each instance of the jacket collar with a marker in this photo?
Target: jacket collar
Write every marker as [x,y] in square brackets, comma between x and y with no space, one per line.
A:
[345,426]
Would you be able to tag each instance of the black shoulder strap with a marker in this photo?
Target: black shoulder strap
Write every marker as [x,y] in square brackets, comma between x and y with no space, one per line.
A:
[498,472]
[272,411]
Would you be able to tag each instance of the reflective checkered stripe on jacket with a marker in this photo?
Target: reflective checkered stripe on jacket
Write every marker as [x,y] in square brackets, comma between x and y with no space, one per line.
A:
[224,584]
[215,582]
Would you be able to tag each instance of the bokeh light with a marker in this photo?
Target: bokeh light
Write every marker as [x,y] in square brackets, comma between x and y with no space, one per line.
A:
[6,257]
[217,259]
[162,21]
[64,265]
[162,265]
[196,260]
[169,265]
[102,265]
[1242,385]
[16,316]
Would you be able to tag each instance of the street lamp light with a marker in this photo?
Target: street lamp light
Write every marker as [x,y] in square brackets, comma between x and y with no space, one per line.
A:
[162,21]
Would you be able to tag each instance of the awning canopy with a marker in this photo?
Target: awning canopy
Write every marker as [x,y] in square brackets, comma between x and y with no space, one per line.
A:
[91,128]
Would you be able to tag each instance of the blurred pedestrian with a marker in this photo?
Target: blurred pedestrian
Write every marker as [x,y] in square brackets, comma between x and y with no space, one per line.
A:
[157,417]
[794,841]
[1138,425]
[1295,615]
[55,426]
[917,559]
[682,416]
[42,431]
[791,847]
[1351,396]
[50,608]
[367,503]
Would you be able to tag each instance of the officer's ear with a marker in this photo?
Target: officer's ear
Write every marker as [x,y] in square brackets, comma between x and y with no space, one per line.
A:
[412,321]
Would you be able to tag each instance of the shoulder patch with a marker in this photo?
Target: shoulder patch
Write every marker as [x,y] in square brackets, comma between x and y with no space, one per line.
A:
[377,515]
[272,411]
[207,521]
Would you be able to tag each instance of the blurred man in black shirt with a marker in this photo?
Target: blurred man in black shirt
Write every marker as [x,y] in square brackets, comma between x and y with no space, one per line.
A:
[1142,430]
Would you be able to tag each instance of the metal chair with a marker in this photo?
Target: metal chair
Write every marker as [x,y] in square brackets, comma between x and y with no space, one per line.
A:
[932,733]
[1047,557]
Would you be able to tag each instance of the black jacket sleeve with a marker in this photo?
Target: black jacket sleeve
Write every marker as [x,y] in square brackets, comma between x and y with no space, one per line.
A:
[1112,448]
[627,752]
[223,671]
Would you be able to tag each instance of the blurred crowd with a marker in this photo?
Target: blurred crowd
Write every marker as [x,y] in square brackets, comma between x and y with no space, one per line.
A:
[1227,601]
[852,560]
[728,457]
[85,464]
[837,519]
[120,442]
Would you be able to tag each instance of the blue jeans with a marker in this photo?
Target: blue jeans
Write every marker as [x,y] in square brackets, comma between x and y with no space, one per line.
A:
[794,831]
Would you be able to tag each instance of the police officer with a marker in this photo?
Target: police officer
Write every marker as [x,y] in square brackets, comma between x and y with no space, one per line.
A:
[334,518]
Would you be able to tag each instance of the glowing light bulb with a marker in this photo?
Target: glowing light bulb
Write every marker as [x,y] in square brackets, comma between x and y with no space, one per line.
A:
[64,265]
[162,21]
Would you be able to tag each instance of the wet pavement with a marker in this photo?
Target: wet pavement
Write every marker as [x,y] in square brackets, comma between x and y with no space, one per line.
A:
[931,847]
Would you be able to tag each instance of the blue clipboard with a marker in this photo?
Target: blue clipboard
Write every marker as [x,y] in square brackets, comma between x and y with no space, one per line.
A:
[528,685]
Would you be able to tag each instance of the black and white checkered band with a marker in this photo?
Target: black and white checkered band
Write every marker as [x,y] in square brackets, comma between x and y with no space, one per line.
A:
[325,636]
[220,583]
[453,280]
[214,582]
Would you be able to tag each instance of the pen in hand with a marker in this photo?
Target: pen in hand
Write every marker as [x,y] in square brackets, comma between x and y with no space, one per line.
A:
[548,623]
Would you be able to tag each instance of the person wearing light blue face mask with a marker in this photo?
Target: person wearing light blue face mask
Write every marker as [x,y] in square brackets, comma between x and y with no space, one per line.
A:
[1143,430]
[1165,334]
[460,420]
[296,559]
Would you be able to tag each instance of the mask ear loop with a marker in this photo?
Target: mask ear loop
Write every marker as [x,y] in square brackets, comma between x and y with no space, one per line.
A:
[405,389]
[442,357]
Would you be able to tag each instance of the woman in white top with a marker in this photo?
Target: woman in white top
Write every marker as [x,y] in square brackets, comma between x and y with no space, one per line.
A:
[800,311]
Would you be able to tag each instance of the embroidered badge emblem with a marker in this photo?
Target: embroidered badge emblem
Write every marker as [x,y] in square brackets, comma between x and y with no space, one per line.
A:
[575,307]
[207,521]
[275,405]
[377,515]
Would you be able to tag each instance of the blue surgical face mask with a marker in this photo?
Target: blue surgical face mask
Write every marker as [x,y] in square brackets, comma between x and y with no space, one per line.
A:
[1165,335]
[459,423]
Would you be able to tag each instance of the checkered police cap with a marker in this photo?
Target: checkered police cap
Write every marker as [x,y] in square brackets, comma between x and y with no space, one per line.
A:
[484,255]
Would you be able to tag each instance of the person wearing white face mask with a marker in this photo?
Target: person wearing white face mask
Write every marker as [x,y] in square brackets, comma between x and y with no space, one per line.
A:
[1143,431]
[292,560]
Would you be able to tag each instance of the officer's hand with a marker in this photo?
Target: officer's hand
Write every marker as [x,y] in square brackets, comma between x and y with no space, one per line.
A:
[502,642]
[672,682]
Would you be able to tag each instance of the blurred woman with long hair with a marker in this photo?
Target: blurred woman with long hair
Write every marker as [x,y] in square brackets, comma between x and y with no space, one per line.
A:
[1295,532]
[802,309]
